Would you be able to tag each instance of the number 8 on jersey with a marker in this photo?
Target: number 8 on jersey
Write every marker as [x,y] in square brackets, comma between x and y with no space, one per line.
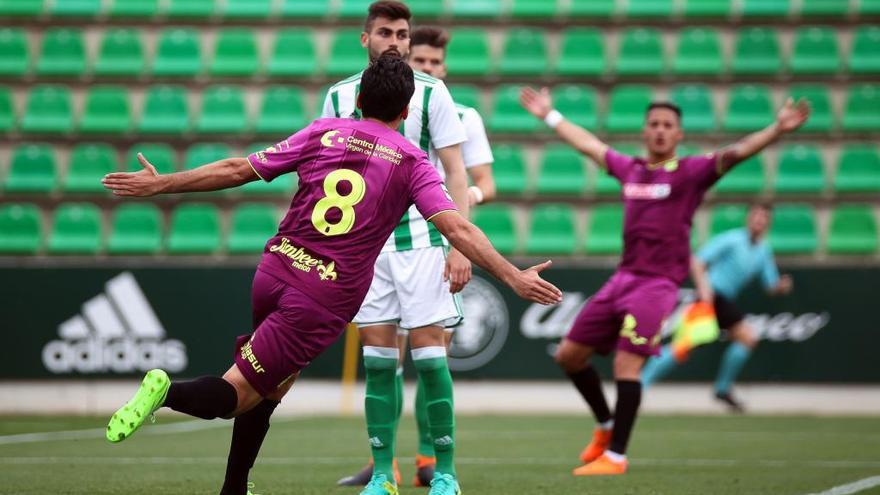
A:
[344,202]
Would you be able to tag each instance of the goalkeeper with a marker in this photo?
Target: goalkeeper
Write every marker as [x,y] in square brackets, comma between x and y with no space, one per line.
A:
[721,269]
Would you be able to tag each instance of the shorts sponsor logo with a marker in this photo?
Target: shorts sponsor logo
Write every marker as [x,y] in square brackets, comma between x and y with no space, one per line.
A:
[646,191]
[628,331]
[117,332]
[247,353]
[484,330]
[304,261]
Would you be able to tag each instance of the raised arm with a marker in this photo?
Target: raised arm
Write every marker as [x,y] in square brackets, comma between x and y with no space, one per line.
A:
[790,117]
[222,174]
[540,105]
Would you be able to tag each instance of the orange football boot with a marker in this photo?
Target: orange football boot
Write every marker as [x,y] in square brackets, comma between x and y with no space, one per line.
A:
[598,445]
[424,470]
[601,466]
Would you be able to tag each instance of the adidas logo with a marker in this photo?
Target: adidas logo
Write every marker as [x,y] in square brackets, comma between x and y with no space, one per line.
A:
[117,332]
[375,442]
[443,441]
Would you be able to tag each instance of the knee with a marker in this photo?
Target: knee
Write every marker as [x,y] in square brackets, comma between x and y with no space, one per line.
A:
[745,335]
[628,366]
[571,359]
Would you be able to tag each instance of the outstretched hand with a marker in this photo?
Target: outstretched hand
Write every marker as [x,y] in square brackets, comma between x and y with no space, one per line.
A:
[793,115]
[536,103]
[145,182]
[529,285]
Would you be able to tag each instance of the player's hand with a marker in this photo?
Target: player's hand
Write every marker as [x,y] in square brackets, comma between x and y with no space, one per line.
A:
[786,283]
[706,294]
[146,182]
[537,104]
[458,271]
[529,285]
[792,115]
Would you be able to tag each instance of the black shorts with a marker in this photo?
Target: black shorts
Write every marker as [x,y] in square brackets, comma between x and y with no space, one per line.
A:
[727,313]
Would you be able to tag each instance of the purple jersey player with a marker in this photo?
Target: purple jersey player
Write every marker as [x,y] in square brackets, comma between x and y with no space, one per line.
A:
[660,193]
[356,179]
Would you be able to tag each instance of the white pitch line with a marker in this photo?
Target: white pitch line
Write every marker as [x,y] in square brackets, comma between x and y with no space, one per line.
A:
[95,433]
[853,487]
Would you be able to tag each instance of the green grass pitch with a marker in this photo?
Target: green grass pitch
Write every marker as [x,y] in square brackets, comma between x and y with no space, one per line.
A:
[679,455]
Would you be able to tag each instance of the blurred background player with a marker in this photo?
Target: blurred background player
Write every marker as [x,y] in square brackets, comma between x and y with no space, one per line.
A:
[661,194]
[721,270]
[428,54]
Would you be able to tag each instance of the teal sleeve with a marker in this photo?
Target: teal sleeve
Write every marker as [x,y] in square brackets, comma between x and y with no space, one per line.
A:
[716,247]
[769,273]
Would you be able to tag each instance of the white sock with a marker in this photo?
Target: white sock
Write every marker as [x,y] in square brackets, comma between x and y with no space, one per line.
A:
[607,425]
[614,456]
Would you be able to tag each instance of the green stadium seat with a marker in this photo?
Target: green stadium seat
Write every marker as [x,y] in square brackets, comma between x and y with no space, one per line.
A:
[707,8]
[592,9]
[497,222]
[605,232]
[641,53]
[800,170]
[204,153]
[821,114]
[353,8]
[747,177]
[425,9]
[75,8]
[346,54]
[467,95]
[697,108]
[525,53]
[468,53]
[282,111]
[195,229]
[508,115]
[14,49]
[48,110]
[190,8]
[582,53]
[282,186]
[481,9]
[815,51]
[247,9]
[699,53]
[627,105]
[89,162]
[106,111]
[223,111]
[293,54]
[551,230]
[311,9]
[136,229]
[165,111]
[727,217]
[858,170]
[534,9]
[749,108]
[7,110]
[236,53]
[121,54]
[757,52]
[63,53]
[578,104]
[178,53]
[21,8]
[76,229]
[32,169]
[159,154]
[765,8]
[562,171]
[864,57]
[862,108]
[20,228]
[853,230]
[509,170]
[251,226]
[649,9]
[868,7]
[134,8]
[825,8]
[794,229]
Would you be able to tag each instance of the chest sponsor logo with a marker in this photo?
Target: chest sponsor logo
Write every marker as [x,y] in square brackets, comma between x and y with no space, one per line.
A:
[646,191]
[304,261]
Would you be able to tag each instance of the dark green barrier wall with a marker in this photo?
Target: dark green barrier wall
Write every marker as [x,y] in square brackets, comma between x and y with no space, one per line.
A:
[69,322]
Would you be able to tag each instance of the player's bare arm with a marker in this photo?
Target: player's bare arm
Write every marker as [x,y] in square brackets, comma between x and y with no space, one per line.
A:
[473,243]
[700,275]
[789,119]
[458,268]
[484,183]
[540,105]
[783,287]
[222,174]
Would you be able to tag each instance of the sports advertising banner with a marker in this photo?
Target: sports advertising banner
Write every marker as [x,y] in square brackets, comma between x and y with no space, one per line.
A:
[88,322]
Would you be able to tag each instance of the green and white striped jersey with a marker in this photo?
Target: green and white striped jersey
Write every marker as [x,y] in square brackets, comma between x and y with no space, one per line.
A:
[476,150]
[433,122]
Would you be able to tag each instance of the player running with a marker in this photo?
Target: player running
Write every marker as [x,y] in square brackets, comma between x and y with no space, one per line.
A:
[427,54]
[661,193]
[356,179]
[721,269]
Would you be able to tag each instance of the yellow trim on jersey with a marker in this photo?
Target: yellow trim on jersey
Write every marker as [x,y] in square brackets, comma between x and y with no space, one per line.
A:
[438,213]
[254,169]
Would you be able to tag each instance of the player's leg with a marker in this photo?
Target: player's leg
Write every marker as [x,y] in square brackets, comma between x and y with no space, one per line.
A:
[426,462]
[743,342]
[659,367]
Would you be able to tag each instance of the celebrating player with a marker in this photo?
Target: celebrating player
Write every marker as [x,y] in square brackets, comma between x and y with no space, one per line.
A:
[661,194]
[428,55]
[356,179]
[721,269]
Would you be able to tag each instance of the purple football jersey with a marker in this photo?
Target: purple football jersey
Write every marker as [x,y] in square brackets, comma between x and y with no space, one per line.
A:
[356,180]
[659,206]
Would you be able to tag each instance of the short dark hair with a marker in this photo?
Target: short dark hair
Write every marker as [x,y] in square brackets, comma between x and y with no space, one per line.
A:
[436,37]
[388,9]
[762,204]
[386,88]
[668,105]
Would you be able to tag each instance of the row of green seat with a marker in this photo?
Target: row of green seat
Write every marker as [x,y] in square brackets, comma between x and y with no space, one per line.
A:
[195,228]
[518,9]
[562,171]
[583,52]
[166,109]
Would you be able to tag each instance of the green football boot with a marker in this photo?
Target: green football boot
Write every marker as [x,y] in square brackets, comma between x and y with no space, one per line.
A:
[379,485]
[149,397]
[444,484]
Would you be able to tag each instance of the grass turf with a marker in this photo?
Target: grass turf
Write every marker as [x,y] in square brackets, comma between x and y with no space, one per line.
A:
[497,455]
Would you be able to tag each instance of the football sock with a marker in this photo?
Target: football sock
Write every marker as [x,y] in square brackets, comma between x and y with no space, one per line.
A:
[207,397]
[398,389]
[426,444]
[380,404]
[588,384]
[433,372]
[732,363]
[247,437]
[658,367]
[629,396]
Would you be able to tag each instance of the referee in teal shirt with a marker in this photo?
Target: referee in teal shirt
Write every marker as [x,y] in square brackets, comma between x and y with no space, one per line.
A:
[721,269]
